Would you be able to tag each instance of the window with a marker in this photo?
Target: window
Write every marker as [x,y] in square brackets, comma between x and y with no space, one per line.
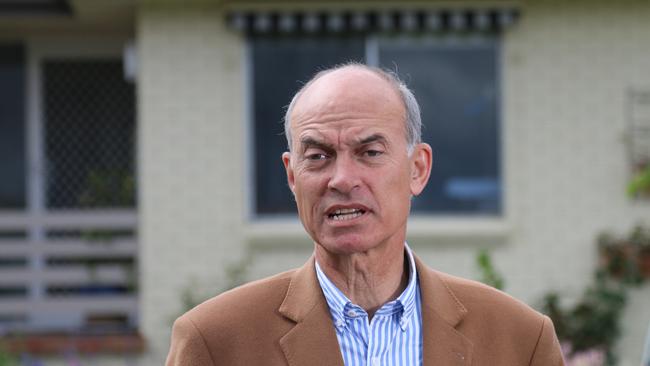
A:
[12,129]
[68,250]
[89,134]
[455,79]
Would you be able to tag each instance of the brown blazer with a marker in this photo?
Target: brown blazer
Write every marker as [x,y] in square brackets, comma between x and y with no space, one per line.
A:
[284,320]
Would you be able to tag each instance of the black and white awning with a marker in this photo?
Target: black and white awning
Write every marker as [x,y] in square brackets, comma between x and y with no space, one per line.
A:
[355,21]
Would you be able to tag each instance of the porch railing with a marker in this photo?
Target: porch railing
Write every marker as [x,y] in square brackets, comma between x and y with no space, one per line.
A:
[68,271]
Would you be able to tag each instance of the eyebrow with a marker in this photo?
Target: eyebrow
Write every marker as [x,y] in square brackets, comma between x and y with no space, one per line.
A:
[309,141]
[372,138]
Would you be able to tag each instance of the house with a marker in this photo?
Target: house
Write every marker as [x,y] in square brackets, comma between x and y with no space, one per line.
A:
[140,141]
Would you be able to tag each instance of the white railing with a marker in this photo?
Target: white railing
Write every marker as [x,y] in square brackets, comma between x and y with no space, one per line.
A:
[68,271]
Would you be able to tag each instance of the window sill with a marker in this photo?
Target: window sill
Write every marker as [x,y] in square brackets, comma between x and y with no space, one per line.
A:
[60,343]
[462,228]
[276,232]
[288,232]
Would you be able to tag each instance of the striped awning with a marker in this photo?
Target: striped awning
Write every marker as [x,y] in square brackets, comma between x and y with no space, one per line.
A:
[353,21]
[34,7]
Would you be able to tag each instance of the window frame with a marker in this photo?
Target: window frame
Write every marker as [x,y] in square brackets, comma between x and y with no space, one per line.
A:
[493,223]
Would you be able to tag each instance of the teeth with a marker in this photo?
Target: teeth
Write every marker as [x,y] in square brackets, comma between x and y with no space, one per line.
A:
[343,211]
[346,214]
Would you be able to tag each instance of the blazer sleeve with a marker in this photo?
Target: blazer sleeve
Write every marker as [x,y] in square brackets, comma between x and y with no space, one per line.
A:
[188,347]
[547,351]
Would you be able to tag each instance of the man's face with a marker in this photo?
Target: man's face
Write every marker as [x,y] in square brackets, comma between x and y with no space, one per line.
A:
[349,168]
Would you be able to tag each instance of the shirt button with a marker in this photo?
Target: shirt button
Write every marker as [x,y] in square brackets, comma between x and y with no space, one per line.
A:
[352,313]
[375,361]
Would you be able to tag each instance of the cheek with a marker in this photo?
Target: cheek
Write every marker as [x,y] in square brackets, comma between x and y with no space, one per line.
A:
[397,190]
[307,192]
[399,181]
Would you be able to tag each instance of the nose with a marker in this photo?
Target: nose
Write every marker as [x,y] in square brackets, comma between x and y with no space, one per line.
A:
[345,176]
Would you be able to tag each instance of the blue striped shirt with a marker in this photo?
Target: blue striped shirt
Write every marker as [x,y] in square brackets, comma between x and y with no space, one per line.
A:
[394,335]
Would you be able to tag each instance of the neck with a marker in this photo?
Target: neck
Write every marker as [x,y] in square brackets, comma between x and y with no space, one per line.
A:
[369,279]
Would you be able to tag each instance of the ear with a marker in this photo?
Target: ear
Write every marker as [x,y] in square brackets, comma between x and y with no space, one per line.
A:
[421,160]
[286,160]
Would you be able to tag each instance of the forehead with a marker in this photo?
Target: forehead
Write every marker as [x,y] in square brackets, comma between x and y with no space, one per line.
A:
[350,101]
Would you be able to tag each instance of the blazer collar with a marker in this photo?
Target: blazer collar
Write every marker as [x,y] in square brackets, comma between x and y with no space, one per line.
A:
[312,341]
[442,312]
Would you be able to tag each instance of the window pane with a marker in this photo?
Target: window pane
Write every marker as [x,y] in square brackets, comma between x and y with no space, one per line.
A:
[456,86]
[90,131]
[12,126]
[279,67]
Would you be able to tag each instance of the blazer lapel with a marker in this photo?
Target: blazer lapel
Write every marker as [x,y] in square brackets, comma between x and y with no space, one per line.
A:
[312,341]
[441,313]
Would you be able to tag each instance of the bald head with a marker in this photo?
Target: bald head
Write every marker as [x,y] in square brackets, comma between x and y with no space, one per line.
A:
[346,84]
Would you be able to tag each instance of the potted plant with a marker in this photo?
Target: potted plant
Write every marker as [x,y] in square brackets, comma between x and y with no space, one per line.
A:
[640,239]
[627,258]
[589,329]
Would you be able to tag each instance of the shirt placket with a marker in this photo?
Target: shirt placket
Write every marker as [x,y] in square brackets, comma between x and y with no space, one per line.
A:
[378,345]
[357,324]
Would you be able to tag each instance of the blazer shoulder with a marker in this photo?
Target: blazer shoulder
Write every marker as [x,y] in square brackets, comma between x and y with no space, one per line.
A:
[220,330]
[243,304]
[477,297]
[497,323]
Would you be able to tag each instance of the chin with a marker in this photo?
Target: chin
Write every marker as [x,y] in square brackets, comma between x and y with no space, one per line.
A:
[347,244]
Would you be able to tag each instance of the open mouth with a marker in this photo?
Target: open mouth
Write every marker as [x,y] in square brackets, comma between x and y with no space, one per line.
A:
[346,214]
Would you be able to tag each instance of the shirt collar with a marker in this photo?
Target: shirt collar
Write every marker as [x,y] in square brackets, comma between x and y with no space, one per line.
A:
[340,305]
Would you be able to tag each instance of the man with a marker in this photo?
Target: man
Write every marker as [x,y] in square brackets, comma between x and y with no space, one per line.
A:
[355,161]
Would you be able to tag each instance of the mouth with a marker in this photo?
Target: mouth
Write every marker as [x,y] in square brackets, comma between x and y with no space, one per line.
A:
[344,214]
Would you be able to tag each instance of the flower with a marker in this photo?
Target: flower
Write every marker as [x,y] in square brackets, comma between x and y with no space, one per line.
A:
[589,357]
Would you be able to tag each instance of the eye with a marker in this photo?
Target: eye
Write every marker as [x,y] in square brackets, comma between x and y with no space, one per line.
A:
[316,156]
[373,153]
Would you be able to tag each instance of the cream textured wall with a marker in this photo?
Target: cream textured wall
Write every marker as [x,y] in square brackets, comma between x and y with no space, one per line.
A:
[190,91]
[565,69]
